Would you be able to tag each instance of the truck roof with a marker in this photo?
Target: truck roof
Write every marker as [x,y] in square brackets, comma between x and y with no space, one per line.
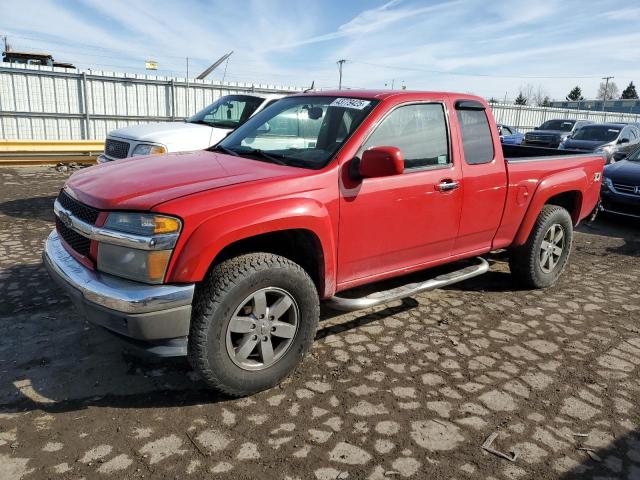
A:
[382,94]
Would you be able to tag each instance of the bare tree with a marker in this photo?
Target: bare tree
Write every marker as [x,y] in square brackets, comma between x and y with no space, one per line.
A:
[608,92]
[540,97]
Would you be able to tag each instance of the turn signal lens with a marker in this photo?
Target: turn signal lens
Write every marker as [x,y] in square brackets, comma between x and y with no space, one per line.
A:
[157,262]
[166,225]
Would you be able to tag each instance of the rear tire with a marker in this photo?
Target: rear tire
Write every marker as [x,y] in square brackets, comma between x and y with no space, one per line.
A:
[541,260]
[255,316]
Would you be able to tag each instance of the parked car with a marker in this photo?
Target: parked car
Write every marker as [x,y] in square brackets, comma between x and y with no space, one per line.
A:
[621,187]
[552,132]
[510,135]
[205,128]
[609,139]
[224,254]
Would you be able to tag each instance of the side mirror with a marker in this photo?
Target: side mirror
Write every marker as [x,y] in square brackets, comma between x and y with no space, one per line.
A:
[623,140]
[381,162]
[536,128]
[264,128]
[617,156]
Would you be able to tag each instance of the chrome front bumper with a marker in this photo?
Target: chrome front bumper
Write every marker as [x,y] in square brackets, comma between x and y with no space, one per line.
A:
[159,314]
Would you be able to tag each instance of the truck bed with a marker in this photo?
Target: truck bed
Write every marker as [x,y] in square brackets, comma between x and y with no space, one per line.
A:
[518,153]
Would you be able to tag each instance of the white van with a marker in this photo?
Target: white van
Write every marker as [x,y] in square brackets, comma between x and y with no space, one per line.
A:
[205,128]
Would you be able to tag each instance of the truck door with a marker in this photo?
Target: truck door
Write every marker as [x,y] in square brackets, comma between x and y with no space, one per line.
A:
[485,178]
[397,222]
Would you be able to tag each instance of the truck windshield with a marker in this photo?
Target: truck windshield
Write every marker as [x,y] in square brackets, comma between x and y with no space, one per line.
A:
[302,131]
[229,111]
[600,133]
[561,125]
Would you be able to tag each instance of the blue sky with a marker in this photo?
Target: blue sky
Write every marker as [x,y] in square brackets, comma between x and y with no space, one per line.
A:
[485,47]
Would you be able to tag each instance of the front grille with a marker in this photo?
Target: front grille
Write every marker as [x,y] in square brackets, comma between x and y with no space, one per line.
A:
[83,212]
[631,189]
[116,148]
[76,241]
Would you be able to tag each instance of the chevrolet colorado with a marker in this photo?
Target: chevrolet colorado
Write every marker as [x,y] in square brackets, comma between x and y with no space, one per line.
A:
[225,254]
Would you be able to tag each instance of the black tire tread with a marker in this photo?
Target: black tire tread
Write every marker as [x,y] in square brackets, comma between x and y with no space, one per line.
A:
[522,260]
[219,282]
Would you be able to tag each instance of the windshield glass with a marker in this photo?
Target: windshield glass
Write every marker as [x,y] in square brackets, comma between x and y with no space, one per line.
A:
[600,133]
[562,125]
[300,131]
[229,111]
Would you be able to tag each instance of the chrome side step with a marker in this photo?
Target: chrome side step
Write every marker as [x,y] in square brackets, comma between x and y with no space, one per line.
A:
[403,291]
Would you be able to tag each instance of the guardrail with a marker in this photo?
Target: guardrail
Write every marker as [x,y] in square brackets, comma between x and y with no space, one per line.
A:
[37,152]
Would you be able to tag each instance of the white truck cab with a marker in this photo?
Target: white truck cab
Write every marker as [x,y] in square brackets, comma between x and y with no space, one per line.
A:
[205,128]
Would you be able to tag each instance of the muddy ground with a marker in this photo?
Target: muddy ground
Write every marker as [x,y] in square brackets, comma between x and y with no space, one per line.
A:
[408,390]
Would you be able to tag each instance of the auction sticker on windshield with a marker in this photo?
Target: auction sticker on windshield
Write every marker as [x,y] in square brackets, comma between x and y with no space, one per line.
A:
[350,103]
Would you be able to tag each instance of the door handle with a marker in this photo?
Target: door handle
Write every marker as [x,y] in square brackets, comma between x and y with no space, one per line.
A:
[446,185]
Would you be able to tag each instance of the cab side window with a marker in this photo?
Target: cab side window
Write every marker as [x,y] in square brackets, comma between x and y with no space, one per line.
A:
[419,131]
[476,136]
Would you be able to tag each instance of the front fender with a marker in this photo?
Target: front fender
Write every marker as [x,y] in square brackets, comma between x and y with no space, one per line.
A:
[219,231]
[562,182]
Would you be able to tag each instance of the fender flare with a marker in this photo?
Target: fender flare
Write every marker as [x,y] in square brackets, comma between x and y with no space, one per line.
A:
[217,232]
[562,182]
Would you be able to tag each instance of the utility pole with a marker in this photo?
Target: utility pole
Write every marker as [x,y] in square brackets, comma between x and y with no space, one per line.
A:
[606,91]
[7,47]
[340,63]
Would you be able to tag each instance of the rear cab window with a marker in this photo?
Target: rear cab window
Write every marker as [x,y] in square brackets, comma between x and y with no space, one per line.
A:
[477,141]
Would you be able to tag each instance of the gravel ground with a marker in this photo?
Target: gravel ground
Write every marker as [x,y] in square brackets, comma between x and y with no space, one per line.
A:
[408,390]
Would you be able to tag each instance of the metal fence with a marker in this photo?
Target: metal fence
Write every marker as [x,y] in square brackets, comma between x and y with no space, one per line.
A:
[525,118]
[48,103]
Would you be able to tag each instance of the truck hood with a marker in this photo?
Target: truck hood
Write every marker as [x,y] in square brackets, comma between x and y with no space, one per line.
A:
[587,145]
[140,183]
[169,134]
[624,171]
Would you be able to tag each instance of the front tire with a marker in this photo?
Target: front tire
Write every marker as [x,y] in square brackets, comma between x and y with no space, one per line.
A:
[541,260]
[255,316]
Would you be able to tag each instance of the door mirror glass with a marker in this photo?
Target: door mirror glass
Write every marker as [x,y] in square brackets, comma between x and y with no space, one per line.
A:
[623,140]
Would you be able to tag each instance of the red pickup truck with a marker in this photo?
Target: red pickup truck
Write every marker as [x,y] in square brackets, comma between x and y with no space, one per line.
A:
[225,254]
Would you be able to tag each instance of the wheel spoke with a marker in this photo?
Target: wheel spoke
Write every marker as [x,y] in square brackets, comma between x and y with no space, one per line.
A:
[283,329]
[242,324]
[544,245]
[557,251]
[280,307]
[552,232]
[260,304]
[558,236]
[544,258]
[266,351]
[552,263]
[246,346]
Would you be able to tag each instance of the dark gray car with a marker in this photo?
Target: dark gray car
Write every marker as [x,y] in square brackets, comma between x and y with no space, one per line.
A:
[612,140]
[552,132]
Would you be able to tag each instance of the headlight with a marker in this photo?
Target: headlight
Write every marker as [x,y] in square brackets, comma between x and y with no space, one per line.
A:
[148,149]
[142,223]
[606,181]
[147,266]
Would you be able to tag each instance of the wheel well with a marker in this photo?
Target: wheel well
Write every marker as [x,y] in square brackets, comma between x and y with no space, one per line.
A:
[570,201]
[299,245]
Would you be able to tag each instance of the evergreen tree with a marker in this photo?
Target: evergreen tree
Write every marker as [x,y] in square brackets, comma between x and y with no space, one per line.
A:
[521,99]
[630,91]
[546,102]
[575,94]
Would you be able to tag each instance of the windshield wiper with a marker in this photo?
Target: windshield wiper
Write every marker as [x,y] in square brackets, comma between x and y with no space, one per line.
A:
[271,157]
[220,148]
